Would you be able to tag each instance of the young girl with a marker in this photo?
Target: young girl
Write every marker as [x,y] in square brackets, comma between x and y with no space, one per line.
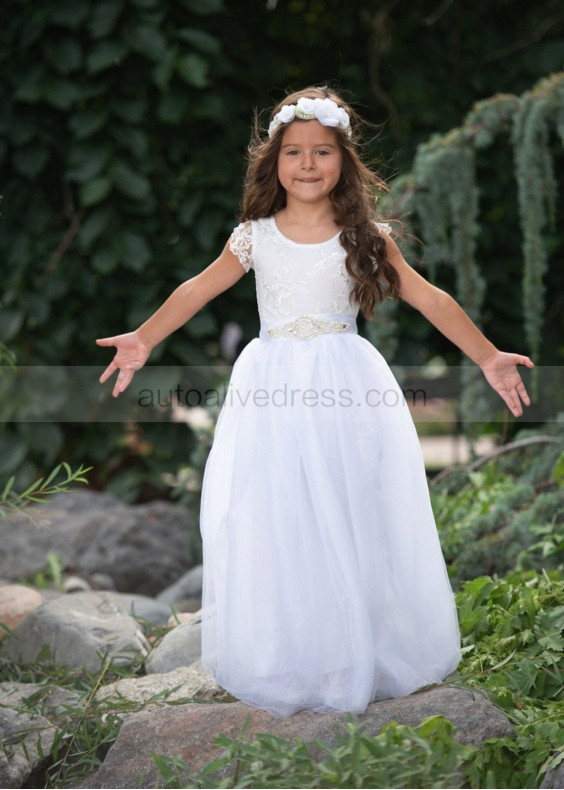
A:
[324,583]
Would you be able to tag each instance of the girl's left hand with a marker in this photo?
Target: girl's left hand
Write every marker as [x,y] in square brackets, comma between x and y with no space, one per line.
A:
[500,370]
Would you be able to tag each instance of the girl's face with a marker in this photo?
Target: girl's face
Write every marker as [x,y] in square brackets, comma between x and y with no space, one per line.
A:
[309,162]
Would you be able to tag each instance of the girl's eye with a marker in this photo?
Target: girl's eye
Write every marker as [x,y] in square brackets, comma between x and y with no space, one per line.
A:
[323,153]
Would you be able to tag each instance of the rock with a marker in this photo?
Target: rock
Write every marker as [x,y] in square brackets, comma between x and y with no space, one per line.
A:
[101,581]
[188,587]
[554,778]
[16,603]
[181,647]
[145,608]
[23,739]
[142,548]
[188,731]
[80,630]
[183,617]
[49,700]
[184,683]
[73,584]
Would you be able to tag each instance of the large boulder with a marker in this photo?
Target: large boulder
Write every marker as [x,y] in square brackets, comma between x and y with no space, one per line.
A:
[81,630]
[16,603]
[155,691]
[141,548]
[25,740]
[181,647]
[188,731]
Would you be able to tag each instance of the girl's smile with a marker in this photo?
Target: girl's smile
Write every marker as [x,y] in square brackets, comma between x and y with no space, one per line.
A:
[309,162]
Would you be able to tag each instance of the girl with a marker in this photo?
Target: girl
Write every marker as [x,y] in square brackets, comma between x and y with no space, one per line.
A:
[324,583]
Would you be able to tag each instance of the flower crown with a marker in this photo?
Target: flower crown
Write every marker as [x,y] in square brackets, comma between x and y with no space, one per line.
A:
[326,111]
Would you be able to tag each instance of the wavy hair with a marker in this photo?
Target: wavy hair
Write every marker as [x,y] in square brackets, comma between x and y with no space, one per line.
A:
[353,199]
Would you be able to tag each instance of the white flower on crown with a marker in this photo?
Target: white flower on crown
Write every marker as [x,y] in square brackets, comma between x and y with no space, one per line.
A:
[287,113]
[326,111]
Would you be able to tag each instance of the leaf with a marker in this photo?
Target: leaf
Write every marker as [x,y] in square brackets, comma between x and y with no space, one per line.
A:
[130,182]
[31,160]
[104,260]
[104,55]
[193,69]
[64,54]
[103,17]
[11,321]
[86,160]
[204,8]
[148,41]
[60,93]
[201,40]
[95,191]
[87,122]
[70,13]
[93,227]
[173,107]
[7,488]
[136,251]
[132,110]
[29,88]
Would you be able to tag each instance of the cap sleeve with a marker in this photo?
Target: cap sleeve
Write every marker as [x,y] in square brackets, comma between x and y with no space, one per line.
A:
[384,227]
[241,244]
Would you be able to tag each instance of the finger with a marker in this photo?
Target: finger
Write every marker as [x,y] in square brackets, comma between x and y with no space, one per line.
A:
[106,341]
[112,367]
[123,381]
[523,394]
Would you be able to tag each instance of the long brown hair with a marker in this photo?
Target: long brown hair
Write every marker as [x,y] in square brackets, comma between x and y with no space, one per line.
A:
[354,202]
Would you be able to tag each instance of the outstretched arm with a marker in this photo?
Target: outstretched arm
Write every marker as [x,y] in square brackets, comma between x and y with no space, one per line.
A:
[444,312]
[133,348]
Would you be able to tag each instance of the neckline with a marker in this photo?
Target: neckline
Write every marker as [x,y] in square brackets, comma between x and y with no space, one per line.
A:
[300,243]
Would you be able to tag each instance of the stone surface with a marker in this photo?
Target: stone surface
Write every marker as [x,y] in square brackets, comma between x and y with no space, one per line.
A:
[145,608]
[188,587]
[184,683]
[142,548]
[181,647]
[32,697]
[188,731]
[16,603]
[19,755]
[554,778]
[80,630]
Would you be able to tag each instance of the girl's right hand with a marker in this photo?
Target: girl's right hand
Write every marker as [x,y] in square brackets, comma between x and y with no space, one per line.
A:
[130,356]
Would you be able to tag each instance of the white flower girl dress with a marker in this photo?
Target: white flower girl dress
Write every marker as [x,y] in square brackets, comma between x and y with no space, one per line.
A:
[324,583]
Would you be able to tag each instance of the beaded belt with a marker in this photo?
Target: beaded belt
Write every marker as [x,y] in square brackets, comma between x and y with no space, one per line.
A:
[305,327]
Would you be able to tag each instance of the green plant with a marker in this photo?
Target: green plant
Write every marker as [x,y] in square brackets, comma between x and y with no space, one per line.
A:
[400,756]
[41,489]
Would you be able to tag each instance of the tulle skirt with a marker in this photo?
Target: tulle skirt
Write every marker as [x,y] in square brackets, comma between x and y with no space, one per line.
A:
[324,583]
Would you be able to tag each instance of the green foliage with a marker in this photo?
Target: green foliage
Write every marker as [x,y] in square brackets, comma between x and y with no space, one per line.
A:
[400,756]
[513,644]
[41,489]
[507,514]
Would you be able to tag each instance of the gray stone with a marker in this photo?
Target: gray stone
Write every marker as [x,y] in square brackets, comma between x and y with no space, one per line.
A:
[23,739]
[74,584]
[188,586]
[145,608]
[554,778]
[188,731]
[33,697]
[181,647]
[81,630]
[142,548]
[156,691]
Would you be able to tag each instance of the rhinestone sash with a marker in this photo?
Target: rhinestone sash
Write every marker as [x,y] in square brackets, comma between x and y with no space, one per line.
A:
[306,327]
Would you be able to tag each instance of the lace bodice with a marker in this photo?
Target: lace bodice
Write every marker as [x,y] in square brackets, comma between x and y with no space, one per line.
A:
[294,279]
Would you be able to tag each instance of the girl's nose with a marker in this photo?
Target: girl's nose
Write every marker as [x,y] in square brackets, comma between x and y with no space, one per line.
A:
[308,162]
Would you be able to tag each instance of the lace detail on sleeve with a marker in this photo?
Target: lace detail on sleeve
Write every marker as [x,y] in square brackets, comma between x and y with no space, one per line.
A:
[241,244]
[384,227]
